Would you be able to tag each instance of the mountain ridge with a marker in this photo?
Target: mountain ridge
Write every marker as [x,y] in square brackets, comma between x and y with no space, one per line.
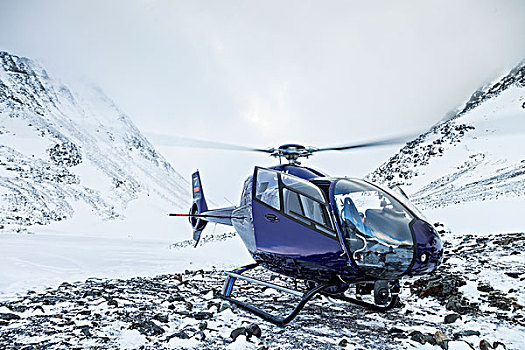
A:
[60,146]
[469,157]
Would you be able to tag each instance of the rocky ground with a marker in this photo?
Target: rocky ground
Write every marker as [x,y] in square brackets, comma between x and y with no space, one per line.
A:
[474,301]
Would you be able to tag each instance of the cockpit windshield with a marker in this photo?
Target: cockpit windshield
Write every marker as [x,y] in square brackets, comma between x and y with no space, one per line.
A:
[375,227]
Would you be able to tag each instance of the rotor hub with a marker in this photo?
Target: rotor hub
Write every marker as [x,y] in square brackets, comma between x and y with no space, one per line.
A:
[292,152]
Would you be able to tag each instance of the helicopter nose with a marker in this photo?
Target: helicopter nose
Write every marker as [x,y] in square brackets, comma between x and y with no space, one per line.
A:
[429,251]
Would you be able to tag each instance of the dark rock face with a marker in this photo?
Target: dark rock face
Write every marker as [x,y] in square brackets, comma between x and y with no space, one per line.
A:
[66,154]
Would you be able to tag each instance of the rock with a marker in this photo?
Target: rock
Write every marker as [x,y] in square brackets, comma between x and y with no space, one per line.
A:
[147,327]
[237,332]
[254,330]
[498,344]
[9,317]
[484,345]
[203,325]
[172,299]
[422,338]
[200,336]
[513,274]
[441,339]
[161,318]
[85,330]
[505,241]
[180,334]
[452,318]
[466,333]
[440,286]
[343,343]
[112,302]
[203,315]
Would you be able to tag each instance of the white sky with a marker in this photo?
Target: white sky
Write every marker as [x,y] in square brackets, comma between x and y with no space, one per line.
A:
[264,73]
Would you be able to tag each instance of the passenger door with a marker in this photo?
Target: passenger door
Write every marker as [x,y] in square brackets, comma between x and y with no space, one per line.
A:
[290,218]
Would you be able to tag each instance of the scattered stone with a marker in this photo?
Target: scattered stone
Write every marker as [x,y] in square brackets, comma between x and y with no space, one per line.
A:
[201,336]
[147,327]
[441,339]
[466,333]
[203,315]
[452,318]
[422,338]
[203,325]
[85,330]
[513,274]
[237,332]
[498,344]
[9,317]
[172,299]
[161,318]
[180,334]
[343,343]
[484,345]
[254,330]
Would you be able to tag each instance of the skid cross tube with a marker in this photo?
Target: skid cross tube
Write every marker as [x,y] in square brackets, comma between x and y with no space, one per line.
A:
[305,297]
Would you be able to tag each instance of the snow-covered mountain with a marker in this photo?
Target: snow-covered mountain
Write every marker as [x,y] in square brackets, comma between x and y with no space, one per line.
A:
[475,156]
[63,148]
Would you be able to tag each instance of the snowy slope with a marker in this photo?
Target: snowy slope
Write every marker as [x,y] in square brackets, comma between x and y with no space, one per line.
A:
[82,192]
[472,164]
[64,150]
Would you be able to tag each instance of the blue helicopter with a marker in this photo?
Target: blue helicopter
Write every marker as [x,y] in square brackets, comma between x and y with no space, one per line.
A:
[334,233]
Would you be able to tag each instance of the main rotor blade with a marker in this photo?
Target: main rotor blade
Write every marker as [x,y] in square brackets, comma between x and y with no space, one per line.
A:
[383,142]
[179,141]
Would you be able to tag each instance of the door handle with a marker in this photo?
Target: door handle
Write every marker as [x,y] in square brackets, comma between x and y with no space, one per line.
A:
[271,217]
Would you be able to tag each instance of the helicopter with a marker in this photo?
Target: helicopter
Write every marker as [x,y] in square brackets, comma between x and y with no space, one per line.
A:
[334,233]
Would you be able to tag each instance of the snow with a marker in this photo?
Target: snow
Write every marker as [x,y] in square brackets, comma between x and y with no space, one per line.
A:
[43,260]
[131,339]
[490,216]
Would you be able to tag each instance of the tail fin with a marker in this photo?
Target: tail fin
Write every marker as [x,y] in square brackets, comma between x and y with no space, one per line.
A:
[199,206]
[199,214]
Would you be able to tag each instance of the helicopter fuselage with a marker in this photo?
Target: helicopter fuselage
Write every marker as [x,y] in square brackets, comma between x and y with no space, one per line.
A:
[304,224]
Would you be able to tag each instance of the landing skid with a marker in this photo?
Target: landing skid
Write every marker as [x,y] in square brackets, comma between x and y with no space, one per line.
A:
[305,297]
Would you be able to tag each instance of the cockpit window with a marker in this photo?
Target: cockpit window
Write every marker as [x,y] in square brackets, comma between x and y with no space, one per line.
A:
[375,227]
[267,188]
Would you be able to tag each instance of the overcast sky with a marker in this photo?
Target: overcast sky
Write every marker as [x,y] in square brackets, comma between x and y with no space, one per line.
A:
[264,73]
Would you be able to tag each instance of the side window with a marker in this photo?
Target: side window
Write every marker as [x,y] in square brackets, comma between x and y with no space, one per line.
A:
[299,206]
[312,210]
[292,204]
[267,188]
